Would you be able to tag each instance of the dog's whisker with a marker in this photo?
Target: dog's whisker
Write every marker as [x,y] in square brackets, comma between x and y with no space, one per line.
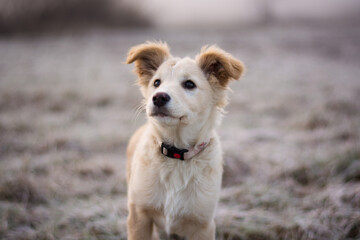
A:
[139,109]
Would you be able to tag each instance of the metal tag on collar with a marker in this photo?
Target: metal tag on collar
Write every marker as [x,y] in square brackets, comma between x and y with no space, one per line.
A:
[173,152]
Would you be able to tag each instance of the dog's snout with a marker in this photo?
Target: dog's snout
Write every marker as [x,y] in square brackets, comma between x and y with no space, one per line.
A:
[160,99]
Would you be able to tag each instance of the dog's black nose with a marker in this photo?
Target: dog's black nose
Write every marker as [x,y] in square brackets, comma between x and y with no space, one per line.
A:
[160,99]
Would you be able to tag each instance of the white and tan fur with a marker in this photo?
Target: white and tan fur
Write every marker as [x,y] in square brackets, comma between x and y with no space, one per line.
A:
[178,197]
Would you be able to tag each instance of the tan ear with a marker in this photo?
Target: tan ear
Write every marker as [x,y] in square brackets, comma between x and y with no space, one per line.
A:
[217,63]
[147,57]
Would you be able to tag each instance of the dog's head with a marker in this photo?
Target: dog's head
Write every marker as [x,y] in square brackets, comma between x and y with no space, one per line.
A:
[183,90]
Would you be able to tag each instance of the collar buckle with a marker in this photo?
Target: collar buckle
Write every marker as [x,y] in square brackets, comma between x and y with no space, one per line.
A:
[173,152]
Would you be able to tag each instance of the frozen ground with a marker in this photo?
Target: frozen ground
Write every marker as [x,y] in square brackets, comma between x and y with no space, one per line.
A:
[290,137]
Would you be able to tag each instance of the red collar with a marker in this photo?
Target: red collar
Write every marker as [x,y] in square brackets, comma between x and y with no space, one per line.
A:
[182,154]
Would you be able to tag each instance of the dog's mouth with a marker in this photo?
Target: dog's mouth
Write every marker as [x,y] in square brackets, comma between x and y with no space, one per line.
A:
[162,113]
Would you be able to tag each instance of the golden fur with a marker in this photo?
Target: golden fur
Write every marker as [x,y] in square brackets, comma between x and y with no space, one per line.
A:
[178,197]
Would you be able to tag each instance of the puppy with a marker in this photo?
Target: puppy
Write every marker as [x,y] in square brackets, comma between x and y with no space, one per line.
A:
[174,161]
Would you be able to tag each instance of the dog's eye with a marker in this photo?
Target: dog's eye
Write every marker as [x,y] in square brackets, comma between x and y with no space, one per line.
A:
[157,83]
[189,84]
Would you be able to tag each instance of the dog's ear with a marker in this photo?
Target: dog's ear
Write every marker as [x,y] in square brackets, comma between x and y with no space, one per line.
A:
[218,64]
[147,57]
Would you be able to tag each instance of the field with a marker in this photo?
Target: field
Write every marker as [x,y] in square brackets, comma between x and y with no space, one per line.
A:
[291,135]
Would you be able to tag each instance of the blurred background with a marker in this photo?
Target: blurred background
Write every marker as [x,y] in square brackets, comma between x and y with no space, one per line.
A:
[290,136]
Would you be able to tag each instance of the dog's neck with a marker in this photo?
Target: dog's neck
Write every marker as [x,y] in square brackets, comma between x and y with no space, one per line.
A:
[185,136]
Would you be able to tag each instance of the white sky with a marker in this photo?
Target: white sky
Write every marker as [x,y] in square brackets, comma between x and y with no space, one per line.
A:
[195,12]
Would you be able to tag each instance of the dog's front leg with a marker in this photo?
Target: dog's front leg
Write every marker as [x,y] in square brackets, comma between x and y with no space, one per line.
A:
[139,224]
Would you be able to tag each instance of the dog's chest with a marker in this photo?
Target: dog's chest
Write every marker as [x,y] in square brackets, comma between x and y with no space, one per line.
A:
[182,185]
[178,182]
[177,189]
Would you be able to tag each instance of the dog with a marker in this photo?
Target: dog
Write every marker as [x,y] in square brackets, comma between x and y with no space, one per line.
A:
[174,161]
